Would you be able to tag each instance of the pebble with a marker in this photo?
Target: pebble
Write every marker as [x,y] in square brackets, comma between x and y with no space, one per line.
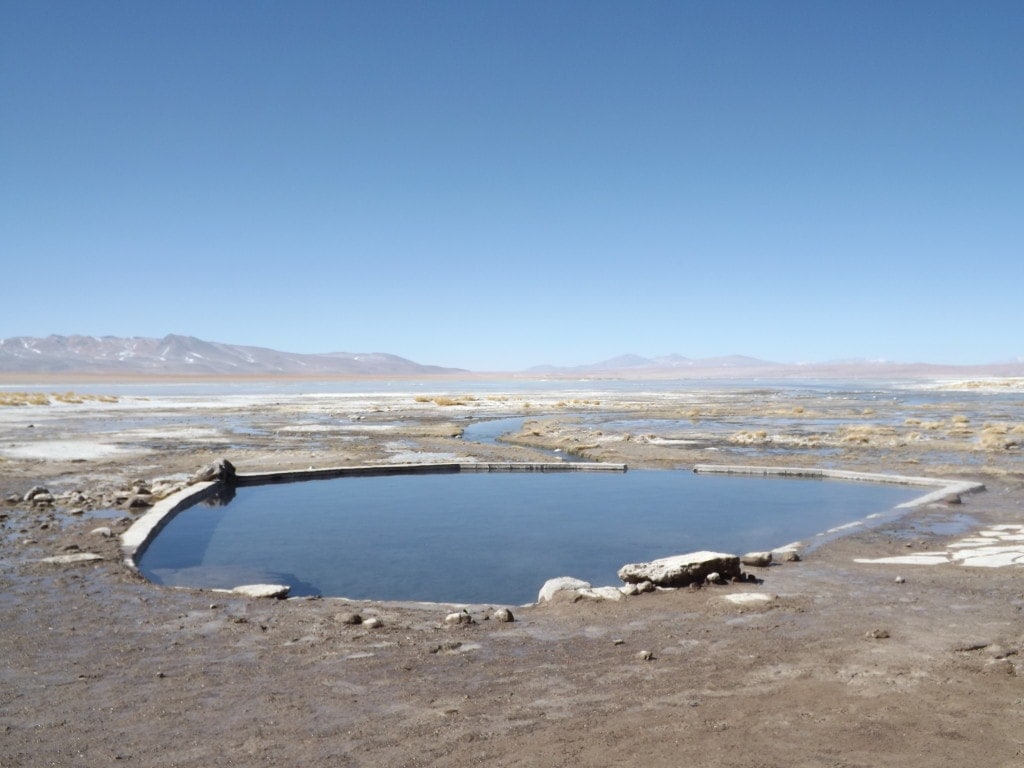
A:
[504,615]
[447,647]
[900,580]
[349,618]
[374,622]
[645,655]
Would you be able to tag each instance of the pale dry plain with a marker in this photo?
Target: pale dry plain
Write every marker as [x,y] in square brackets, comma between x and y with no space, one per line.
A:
[854,659]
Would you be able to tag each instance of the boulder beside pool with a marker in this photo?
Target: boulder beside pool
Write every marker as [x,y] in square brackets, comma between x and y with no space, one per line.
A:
[682,570]
[276,591]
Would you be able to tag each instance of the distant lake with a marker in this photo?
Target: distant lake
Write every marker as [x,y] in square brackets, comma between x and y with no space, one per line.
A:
[489,537]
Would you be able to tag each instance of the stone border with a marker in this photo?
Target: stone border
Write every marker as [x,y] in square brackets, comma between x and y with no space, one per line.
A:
[382,470]
[139,535]
[945,487]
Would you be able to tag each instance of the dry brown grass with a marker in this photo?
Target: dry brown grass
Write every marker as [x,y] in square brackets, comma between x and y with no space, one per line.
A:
[23,398]
[445,400]
[867,434]
[1001,437]
[42,398]
[750,437]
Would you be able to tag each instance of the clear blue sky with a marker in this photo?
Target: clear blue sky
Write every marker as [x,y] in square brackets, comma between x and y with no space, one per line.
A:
[498,185]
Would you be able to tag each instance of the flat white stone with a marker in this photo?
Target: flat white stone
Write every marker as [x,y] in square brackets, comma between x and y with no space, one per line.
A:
[748,598]
[681,570]
[77,557]
[994,557]
[263,590]
[602,593]
[921,559]
[997,546]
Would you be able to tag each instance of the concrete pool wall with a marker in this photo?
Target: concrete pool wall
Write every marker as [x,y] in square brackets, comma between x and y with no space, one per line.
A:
[138,537]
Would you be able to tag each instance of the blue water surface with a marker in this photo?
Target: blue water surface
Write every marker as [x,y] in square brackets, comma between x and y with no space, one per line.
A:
[488,537]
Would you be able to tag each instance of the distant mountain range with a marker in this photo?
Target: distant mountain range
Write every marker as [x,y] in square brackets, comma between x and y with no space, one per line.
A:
[666,363]
[743,367]
[188,356]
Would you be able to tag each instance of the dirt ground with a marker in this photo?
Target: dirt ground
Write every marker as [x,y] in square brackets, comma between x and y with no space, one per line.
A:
[846,664]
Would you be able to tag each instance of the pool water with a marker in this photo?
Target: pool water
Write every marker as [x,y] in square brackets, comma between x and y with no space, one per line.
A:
[488,537]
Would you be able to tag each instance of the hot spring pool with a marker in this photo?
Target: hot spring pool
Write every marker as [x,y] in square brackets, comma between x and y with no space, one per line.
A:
[488,537]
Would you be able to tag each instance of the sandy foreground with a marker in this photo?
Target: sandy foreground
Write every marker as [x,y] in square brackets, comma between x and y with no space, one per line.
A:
[900,643]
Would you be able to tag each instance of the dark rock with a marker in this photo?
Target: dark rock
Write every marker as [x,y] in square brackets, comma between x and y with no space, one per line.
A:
[222,470]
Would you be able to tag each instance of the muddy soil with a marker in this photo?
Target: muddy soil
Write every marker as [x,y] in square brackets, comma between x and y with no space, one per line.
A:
[845,664]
